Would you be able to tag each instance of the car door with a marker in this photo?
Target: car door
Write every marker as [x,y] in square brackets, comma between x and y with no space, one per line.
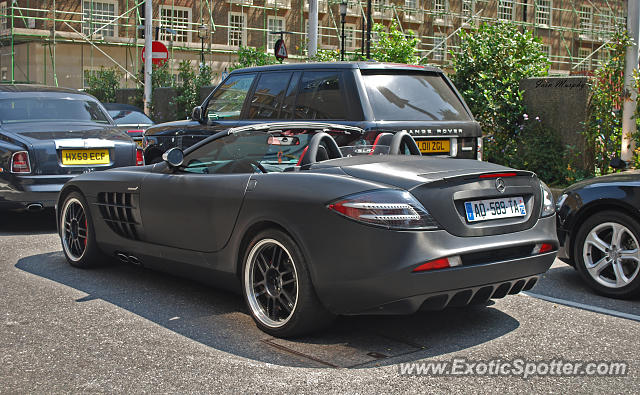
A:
[195,207]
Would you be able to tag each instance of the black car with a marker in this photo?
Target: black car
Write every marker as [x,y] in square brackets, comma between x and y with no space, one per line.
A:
[599,232]
[130,119]
[377,97]
[310,221]
[50,135]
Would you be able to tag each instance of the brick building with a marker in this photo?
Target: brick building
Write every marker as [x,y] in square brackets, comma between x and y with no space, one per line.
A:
[61,41]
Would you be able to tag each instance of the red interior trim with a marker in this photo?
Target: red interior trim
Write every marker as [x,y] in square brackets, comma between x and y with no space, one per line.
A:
[302,156]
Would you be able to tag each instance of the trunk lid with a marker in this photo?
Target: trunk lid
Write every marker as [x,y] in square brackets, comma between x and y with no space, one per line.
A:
[444,185]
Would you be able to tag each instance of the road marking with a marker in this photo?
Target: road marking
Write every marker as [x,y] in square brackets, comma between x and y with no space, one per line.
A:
[583,306]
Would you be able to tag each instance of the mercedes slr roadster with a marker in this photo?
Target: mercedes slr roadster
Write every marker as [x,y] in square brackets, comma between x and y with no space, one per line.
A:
[310,221]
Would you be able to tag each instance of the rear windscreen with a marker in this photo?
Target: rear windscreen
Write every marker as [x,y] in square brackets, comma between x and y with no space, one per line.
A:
[412,97]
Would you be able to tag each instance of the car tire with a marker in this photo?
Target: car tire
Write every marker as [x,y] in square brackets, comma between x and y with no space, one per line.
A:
[78,242]
[604,254]
[277,287]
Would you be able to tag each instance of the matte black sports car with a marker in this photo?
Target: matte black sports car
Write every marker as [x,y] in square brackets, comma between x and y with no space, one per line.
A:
[50,135]
[599,231]
[310,221]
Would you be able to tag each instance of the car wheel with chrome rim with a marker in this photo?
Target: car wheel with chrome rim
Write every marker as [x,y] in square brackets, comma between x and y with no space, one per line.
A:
[278,289]
[607,254]
[77,234]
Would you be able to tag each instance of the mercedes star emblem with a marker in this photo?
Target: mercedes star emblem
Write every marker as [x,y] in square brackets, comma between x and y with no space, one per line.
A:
[500,185]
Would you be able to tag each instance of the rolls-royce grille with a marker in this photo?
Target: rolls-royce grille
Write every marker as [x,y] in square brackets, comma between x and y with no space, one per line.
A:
[120,212]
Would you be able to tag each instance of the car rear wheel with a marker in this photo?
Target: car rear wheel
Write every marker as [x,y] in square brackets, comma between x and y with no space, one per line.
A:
[277,287]
[77,233]
[608,254]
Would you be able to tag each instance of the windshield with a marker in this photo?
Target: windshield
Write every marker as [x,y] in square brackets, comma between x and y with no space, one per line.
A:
[128,117]
[251,151]
[413,97]
[34,109]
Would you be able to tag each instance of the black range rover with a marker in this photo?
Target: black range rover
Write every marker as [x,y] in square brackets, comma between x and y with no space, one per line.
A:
[377,97]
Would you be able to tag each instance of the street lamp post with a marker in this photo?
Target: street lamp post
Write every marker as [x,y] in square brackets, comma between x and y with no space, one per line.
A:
[203,31]
[343,15]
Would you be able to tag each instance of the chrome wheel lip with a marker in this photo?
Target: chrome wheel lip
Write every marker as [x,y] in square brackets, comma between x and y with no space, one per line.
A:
[65,233]
[254,304]
[613,255]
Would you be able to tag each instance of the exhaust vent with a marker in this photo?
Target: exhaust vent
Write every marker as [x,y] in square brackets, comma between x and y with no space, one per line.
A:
[120,212]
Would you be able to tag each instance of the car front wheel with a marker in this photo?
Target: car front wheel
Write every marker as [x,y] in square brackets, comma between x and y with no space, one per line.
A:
[608,254]
[277,287]
[77,233]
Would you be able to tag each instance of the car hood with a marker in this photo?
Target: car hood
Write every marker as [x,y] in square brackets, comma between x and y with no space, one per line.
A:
[37,131]
[408,171]
[626,177]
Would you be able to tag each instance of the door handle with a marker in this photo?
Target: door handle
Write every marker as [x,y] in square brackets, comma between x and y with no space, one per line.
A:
[251,185]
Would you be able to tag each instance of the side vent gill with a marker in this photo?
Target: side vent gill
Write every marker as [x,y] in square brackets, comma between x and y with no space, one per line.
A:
[120,212]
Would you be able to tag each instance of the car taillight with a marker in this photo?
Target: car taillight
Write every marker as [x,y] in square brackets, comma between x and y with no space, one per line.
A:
[389,208]
[441,263]
[20,162]
[542,248]
[135,131]
[139,157]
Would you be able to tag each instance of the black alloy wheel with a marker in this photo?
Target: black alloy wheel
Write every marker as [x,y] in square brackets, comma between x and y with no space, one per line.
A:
[76,232]
[277,287]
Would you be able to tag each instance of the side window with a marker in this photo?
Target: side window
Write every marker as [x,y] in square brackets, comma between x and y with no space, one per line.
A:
[233,154]
[288,106]
[268,95]
[320,96]
[228,99]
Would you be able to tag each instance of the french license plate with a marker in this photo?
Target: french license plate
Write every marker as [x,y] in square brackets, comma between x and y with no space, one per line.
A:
[85,157]
[483,210]
[434,146]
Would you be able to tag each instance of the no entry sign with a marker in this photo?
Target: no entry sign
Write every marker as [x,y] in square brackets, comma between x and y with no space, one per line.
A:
[159,53]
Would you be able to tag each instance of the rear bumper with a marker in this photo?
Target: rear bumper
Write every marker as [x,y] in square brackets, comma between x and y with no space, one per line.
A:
[382,280]
[469,285]
[23,191]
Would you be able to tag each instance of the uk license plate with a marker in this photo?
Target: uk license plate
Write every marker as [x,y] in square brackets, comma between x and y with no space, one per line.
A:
[483,210]
[85,157]
[434,146]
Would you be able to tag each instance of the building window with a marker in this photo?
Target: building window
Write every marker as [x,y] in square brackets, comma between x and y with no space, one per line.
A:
[178,19]
[586,17]
[96,17]
[349,36]
[412,11]
[583,53]
[440,6]
[546,49]
[322,6]
[274,24]
[381,9]
[505,10]
[543,12]
[3,19]
[468,8]
[237,29]
[439,47]
[281,4]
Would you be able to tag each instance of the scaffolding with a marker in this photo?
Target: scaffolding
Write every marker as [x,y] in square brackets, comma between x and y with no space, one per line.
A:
[573,32]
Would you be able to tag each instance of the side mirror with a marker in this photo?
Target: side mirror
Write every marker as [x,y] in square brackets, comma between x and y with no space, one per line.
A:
[618,164]
[174,157]
[196,114]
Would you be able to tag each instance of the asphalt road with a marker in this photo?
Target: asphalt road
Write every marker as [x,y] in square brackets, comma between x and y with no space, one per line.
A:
[127,329]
